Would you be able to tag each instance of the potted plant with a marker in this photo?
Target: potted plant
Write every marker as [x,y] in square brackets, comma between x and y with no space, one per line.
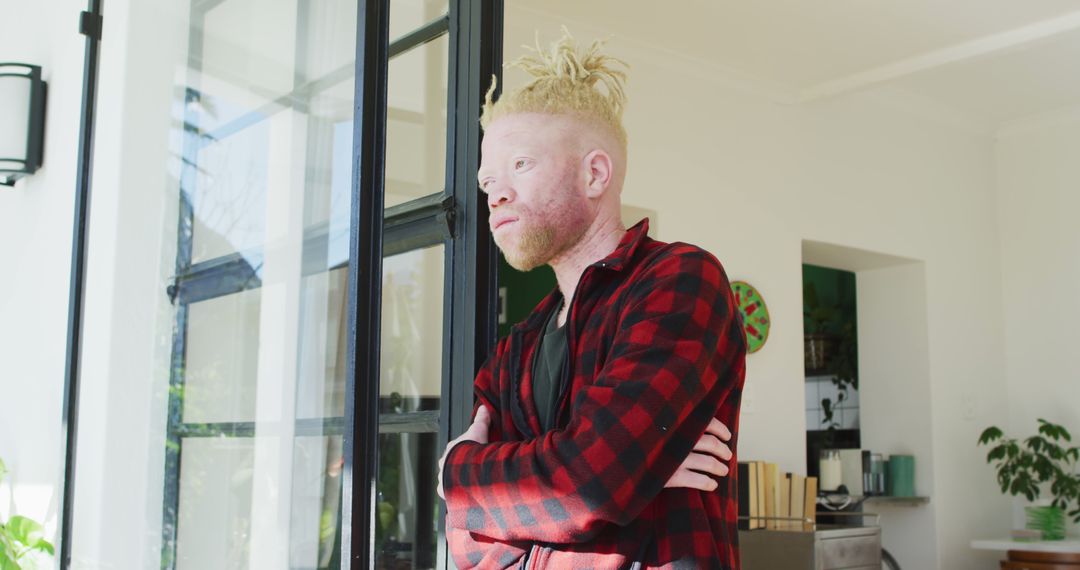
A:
[19,538]
[1023,468]
[819,341]
[843,366]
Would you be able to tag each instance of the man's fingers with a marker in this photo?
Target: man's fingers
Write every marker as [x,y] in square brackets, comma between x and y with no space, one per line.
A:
[438,487]
[705,464]
[709,444]
[718,429]
[482,415]
[478,431]
[686,479]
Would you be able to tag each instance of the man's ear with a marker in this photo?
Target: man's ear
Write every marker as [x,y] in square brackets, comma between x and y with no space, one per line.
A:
[599,169]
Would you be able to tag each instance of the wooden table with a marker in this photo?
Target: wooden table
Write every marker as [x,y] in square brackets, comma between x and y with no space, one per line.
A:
[1040,555]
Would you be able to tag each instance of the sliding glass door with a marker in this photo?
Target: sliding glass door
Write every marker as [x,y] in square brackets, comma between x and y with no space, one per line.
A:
[311,355]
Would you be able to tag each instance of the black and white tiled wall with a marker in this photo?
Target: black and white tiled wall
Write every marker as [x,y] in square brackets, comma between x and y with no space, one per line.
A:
[820,387]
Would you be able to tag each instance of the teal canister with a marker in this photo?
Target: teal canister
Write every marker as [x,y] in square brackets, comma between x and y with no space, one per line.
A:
[901,479]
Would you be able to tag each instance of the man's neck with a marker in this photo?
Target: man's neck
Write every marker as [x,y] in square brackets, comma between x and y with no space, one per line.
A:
[602,237]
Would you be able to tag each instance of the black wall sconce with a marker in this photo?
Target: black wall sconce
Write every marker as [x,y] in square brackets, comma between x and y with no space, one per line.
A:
[22,121]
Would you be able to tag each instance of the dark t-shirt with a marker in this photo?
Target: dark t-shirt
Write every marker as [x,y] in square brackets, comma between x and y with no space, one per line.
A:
[548,365]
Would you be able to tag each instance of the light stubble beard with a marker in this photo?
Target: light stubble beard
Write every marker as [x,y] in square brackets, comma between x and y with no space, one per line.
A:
[534,248]
[542,243]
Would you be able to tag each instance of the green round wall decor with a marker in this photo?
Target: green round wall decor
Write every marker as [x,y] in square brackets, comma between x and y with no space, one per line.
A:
[755,315]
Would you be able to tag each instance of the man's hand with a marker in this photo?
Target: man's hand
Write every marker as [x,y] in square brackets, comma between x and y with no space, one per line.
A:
[477,432]
[705,462]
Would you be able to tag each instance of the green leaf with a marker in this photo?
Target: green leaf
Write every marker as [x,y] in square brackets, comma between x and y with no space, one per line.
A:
[1053,430]
[25,530]
[996,453]
[1043,468]
[7,562]
[44,546]
[990,434]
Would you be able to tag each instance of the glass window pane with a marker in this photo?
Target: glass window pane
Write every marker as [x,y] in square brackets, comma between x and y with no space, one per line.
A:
[221,375]
[247,56]
[215,503]
[230,194]
[268,157]
[416,113]
[316,502]
[412,321]
[412,324]
[320,389]
[257,70]
[406,501]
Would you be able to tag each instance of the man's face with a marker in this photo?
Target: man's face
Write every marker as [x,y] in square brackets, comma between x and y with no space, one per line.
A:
[534,179]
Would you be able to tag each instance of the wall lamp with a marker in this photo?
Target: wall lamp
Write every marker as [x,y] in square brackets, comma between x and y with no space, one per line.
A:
[22,121]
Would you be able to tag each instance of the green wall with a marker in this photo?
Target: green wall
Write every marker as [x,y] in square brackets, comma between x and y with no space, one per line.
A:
[834,288]
[523,291]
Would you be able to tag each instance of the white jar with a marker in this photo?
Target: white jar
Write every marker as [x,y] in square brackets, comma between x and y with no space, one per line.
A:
[829,470]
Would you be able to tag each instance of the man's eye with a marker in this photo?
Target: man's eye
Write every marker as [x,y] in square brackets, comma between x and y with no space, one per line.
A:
[519,164]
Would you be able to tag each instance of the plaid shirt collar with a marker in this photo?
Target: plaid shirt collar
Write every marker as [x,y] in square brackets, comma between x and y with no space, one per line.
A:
[615,261]
[624,252]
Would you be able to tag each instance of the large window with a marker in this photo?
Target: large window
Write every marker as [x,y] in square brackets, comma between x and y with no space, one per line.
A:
[264,368]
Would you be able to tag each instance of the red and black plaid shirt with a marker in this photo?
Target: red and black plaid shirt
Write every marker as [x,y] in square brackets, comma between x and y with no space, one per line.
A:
[656,350]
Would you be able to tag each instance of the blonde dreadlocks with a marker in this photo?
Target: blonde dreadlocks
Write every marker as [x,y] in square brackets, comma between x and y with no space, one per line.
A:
[566,82]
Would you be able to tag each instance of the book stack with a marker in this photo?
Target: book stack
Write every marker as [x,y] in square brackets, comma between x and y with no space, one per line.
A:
[767,496]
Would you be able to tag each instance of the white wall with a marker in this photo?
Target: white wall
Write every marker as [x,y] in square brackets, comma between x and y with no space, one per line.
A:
[35,254]
[750,180]
[895,386]
[1039,192]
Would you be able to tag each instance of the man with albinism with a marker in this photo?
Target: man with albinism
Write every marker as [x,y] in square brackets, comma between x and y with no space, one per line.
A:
[600,435]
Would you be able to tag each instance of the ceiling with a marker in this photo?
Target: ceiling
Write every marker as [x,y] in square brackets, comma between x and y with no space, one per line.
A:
[994,62]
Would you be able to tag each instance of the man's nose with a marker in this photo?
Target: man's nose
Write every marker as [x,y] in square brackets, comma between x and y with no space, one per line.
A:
[498,196]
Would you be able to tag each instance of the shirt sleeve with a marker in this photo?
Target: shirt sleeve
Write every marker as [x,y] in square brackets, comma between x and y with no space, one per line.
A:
[679,353]
[470,550]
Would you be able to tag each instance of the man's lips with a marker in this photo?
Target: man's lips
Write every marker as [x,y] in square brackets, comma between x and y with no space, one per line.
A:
[498,223]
